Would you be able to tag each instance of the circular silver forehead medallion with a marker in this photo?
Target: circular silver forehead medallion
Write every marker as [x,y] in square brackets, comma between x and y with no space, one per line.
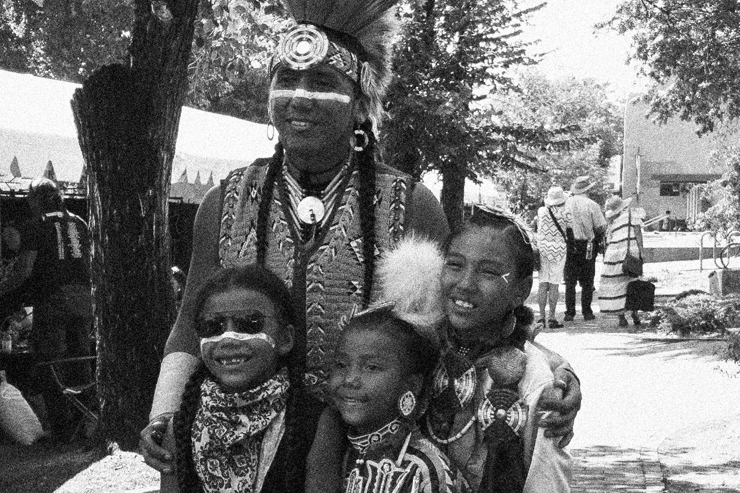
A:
[310,210]
[303,47]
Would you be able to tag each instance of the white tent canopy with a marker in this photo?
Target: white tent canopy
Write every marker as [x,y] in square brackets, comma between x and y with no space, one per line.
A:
[37,126]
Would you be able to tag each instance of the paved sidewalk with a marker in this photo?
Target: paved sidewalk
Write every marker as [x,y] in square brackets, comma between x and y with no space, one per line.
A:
[657,416]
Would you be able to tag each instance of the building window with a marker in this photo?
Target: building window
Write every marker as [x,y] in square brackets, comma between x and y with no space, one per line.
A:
[670,189]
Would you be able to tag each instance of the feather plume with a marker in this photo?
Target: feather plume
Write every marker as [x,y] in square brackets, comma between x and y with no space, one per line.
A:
[409,276]
[347,16]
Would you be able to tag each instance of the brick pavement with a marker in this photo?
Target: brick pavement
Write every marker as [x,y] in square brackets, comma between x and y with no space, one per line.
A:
[600,468]
[637,431]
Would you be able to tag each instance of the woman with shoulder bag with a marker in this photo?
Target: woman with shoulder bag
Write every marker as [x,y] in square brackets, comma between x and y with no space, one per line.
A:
[552,222]
[622,257]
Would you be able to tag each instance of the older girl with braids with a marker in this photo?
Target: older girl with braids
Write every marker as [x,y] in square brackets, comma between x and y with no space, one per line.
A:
[237,429]
[486,391]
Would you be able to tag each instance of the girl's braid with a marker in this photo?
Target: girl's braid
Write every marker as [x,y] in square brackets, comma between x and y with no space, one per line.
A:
[187,478]
[367,209]
[263,215]
[290,461]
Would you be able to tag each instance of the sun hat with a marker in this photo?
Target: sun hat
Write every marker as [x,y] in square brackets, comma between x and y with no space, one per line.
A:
[555,196]
[615,205]
[581,185]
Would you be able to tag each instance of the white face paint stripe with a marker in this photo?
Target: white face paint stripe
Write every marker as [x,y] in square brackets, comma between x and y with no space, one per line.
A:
[318,96]
[239,337]
[505,277]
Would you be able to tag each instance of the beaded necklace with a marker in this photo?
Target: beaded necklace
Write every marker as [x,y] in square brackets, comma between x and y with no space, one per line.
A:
[385,475]
[363,442]
[309,209]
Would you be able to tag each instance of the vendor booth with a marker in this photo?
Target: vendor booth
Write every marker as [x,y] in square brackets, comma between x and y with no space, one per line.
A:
[38,138]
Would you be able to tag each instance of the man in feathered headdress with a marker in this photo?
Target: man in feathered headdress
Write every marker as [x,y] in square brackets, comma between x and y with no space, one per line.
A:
[323,208]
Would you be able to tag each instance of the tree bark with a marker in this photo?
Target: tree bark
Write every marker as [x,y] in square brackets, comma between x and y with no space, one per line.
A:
[127,118]
[453,195]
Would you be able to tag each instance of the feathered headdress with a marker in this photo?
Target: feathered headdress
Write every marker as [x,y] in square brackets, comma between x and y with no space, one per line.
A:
[353,36]
[409,278]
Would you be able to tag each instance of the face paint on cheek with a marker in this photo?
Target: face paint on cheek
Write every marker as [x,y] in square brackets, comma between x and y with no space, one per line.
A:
[316,96]
[238,336]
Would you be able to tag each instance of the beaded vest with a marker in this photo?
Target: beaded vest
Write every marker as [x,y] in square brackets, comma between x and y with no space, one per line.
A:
[328,277]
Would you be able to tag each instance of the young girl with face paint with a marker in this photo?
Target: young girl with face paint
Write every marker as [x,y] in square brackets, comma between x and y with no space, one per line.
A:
[236,429]
[483,412]
[378,383]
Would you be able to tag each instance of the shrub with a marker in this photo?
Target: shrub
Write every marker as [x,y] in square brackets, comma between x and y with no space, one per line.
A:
[733,346]
[698,313]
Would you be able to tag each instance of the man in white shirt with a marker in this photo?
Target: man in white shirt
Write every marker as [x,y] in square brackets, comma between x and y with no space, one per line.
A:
[588,226]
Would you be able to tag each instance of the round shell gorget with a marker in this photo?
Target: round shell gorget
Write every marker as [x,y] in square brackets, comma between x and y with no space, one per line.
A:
[310,210]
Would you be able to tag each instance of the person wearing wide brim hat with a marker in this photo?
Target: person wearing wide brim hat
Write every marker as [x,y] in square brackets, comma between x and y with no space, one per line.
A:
[555,196]
[614,205]
[588,225]
[624,235]
[582,184]
[552,223]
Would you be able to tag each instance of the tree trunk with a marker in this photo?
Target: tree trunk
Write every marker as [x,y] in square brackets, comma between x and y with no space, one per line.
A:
[127,119]
[453,195]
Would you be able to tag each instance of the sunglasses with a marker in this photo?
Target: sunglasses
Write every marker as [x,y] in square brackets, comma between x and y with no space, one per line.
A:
[506,215]
[243,323]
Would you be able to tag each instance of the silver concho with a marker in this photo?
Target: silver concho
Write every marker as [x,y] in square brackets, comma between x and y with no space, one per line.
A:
[515,416]
[464,385]
[310,210]
[303,47]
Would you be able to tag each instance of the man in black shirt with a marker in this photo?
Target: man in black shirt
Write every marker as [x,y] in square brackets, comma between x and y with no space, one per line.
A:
[53,265]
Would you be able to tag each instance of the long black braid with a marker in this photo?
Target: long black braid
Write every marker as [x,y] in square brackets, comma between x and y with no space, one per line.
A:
[187,478]
[366,162]
[263,215]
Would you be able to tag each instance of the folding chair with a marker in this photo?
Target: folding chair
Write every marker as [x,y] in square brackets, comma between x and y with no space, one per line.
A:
[78,395]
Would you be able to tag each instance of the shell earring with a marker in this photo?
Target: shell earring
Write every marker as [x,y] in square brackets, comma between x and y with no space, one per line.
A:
[361,140]
[270,130]
[407,403]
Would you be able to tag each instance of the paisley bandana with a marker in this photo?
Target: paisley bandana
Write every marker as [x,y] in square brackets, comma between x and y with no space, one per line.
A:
[228,431]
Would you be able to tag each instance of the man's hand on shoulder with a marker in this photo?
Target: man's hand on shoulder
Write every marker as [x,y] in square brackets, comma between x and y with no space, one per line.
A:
[565,406]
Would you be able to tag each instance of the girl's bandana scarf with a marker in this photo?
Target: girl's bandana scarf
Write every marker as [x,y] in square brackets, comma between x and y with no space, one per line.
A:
[228,430]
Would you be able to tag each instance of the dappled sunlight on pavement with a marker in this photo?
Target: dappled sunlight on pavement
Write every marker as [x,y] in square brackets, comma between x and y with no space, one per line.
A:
[603,467]
[652,410]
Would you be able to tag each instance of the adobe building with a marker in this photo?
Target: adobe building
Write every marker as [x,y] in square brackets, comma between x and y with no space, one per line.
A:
[662,164]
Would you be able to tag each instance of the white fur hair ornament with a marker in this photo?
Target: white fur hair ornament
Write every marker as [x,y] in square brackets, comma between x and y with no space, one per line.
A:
[409,277]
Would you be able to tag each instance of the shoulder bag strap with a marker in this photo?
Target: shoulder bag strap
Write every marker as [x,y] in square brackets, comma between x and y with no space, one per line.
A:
[629,235]
[557,224]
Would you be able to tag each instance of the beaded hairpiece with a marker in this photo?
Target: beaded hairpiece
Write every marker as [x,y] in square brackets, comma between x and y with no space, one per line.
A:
[521,226]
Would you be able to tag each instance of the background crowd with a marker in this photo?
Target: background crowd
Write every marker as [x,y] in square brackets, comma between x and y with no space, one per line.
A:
[571,232]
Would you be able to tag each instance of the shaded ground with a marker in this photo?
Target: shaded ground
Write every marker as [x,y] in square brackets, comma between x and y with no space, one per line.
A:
[42,467]
[71,468]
